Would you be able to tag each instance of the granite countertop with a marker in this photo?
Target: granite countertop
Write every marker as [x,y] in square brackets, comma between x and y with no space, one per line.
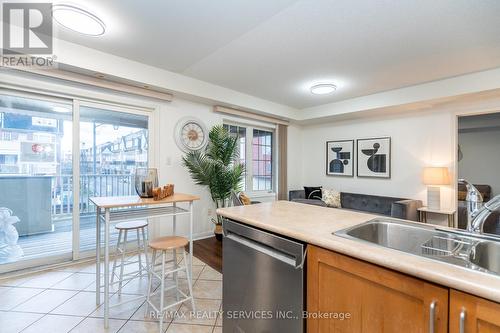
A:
[314,225]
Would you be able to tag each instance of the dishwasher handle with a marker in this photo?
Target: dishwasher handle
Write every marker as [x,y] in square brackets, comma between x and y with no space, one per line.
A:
[297,259]
[287,259]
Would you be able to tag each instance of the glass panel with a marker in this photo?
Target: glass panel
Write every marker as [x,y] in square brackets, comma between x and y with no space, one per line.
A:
[240,133]
[112,145]
[36,195]
[262,160]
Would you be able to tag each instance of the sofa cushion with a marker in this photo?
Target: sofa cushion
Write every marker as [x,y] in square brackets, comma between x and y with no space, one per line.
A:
[313,192]
[368,203]
[296,194]
[331,198]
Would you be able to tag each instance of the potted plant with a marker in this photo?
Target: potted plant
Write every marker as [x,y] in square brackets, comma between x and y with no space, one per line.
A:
[215,168]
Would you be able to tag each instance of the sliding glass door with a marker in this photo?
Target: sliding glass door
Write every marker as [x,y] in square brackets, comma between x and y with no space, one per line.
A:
[112,145]
[54,155]
[35,199]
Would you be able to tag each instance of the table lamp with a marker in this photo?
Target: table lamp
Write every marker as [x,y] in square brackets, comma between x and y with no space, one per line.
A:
[433,177]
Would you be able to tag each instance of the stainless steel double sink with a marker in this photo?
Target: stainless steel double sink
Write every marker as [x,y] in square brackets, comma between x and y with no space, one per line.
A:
[478,252]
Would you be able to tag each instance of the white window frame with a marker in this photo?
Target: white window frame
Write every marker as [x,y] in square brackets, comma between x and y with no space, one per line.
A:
[250,126]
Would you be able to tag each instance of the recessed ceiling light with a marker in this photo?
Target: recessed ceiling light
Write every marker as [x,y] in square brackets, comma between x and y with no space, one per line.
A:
[79,20]
[323,88]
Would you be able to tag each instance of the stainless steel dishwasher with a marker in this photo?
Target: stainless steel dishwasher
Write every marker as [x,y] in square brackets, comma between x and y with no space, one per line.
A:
[263,281]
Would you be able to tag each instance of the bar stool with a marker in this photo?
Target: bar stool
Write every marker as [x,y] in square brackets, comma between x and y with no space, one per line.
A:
[123,229]
[165,244]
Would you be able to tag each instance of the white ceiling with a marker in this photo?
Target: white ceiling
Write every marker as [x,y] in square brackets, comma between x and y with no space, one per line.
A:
[276,49]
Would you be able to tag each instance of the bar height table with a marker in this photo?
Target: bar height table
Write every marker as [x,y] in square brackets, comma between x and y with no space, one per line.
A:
[116,209]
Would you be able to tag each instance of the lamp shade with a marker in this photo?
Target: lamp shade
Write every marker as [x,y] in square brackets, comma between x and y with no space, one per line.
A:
[436,176]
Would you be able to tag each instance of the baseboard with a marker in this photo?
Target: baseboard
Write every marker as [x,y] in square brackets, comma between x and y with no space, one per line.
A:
[203,235]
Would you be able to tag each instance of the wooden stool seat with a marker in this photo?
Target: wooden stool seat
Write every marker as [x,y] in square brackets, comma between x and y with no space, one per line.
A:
[160,247]
[124,228]
[129,225]
[168,243]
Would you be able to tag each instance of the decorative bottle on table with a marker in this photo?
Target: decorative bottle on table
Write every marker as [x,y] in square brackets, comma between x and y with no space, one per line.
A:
[146,179]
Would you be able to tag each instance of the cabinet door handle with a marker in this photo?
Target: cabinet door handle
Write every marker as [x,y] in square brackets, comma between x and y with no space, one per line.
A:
[463,314]
[432,316]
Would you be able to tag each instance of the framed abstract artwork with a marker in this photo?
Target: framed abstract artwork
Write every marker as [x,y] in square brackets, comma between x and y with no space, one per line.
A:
[374,157]
[340,158]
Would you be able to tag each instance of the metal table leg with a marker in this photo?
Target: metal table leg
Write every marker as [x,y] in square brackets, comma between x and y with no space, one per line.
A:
[191,240]
[106,269]
[174,232]
[98,257]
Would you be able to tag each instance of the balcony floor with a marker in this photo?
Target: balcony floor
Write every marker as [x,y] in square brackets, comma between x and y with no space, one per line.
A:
[60,241]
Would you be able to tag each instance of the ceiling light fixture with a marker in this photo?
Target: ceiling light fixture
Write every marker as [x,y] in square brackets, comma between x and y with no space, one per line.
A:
[78,20]
[323,88]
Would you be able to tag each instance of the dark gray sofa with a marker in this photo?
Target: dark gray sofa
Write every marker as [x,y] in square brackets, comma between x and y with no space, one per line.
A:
[394,207]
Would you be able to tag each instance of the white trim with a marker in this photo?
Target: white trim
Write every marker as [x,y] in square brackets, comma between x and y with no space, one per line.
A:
[75,232]
[244,123]
[249,157]
[249,115]
[100,83]
[52,88]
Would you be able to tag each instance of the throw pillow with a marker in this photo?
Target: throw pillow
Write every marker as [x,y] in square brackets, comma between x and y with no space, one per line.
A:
[312,192]
[245,200]
[331,198]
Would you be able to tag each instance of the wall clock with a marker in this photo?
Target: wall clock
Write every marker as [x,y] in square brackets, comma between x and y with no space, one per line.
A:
[190,134]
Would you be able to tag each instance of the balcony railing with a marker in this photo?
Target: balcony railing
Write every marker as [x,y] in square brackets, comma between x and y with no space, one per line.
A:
[90,186]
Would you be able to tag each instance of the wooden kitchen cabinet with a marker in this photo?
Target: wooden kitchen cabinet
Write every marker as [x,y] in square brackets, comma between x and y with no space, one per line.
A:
[479,315]
[377,299]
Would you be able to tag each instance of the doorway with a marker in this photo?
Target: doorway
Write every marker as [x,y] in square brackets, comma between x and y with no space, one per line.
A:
[479,162]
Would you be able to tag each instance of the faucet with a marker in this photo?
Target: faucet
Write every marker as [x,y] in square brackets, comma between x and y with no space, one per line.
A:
[480,216]
[477,213]
[474,201]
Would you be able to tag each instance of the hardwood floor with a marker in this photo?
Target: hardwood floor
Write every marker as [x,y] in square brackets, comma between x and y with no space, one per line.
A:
[209,250]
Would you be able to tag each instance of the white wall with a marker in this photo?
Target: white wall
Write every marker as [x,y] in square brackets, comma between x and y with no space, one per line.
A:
[481,158]
[170,166]
[294,157]
[419,139]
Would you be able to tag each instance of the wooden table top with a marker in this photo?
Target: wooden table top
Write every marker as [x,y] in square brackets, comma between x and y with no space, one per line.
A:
[135,200]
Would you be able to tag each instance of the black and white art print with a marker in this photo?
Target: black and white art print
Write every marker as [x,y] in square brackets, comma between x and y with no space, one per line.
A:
[340,158]
[374,157]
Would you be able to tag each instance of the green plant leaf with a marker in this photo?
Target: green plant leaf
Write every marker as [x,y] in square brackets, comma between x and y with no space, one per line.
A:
[215,166]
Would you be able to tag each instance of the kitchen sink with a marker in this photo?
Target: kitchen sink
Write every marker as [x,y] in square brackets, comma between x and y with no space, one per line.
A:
[479,252]
[486,255]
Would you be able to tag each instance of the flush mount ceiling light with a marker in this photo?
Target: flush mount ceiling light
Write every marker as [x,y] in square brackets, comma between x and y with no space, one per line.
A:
[323,88]
[78,20]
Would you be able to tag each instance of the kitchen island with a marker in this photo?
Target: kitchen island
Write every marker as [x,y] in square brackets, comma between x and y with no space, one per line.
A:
[338,267]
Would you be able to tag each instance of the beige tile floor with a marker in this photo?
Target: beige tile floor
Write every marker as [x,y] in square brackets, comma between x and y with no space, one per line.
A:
[63,300]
